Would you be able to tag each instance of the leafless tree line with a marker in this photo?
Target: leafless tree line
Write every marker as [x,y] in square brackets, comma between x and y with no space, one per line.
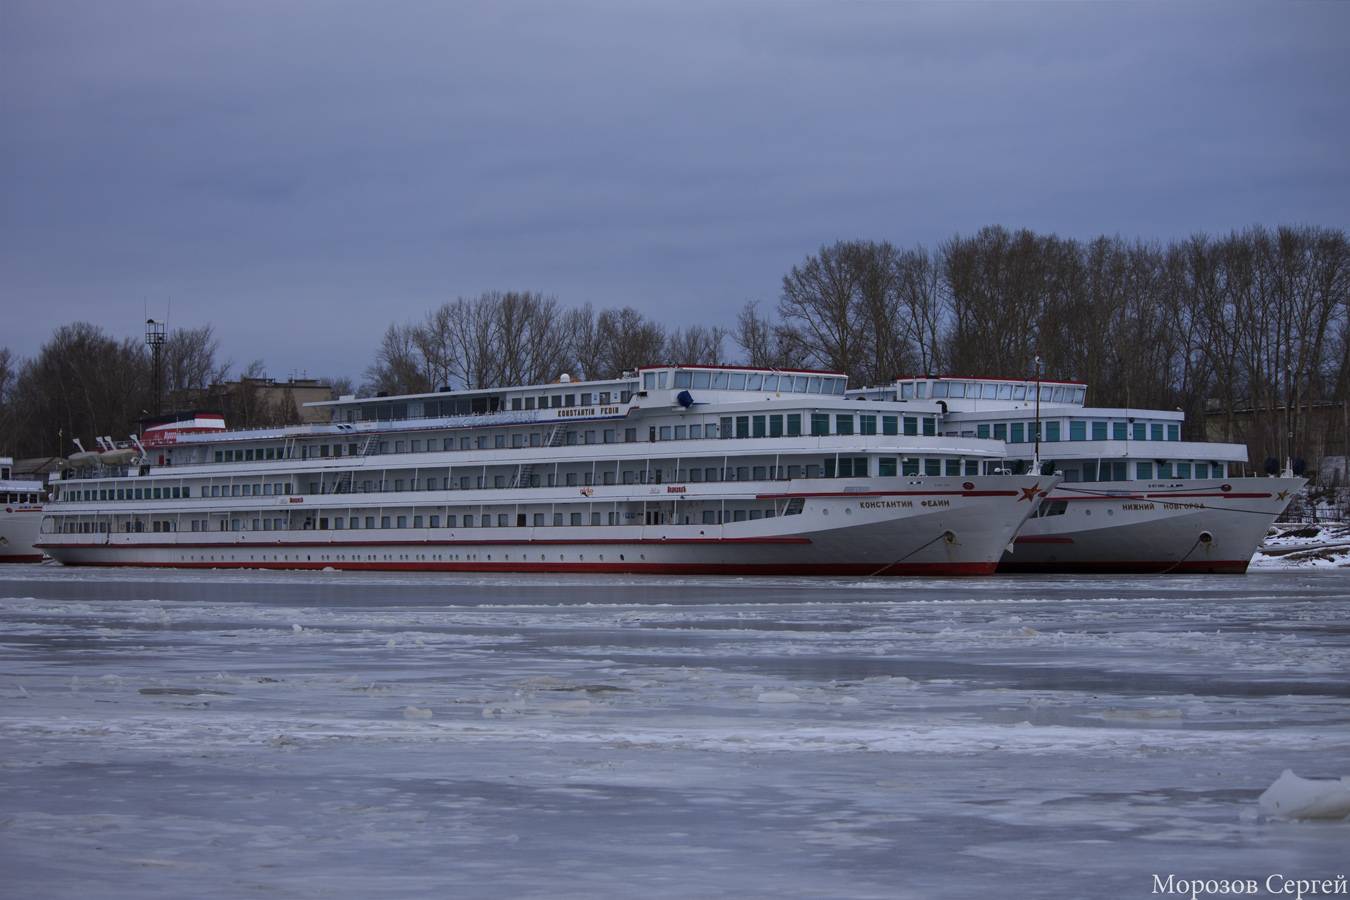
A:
[501,338]
[1253,327]
[84,384]
[1250,331]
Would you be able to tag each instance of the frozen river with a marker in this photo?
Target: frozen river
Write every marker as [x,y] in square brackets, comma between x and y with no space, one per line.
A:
[227,735]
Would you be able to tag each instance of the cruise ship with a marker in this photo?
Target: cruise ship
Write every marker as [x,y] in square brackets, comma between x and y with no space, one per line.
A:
[20,515]
[1134,497]
[669,470]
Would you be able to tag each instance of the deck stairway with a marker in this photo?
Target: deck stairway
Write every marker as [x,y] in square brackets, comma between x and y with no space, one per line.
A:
[556,438]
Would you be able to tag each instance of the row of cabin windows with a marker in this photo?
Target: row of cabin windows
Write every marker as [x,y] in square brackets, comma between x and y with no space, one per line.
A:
[1022,432]
[790,425]
[20,498]
[988,391]
[746,381]
[847,467]
[467,406]
[778,425]
[178,493]
[1121,470]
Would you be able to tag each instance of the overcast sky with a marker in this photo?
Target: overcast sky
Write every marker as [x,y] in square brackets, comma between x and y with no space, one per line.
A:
[302,174]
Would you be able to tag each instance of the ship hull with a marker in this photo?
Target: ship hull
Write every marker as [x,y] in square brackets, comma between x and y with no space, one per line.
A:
[932,527]
[19,525]
[1201,526]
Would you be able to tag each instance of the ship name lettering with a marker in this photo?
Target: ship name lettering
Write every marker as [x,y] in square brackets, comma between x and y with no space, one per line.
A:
[937,503]
[676,490]
[1183,506]
[885,504]
[1143,506]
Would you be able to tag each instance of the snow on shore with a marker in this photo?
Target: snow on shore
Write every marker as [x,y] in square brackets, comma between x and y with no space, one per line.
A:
[1300,545]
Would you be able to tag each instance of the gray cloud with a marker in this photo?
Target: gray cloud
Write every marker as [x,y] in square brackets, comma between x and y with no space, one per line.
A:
[301,174]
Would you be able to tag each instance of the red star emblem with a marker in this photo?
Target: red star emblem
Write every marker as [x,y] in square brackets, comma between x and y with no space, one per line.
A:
[1029,494]
[1281,495]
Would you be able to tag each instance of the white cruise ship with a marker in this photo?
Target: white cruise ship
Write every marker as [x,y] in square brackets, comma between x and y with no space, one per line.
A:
[20,515]
[673,470]
[1135,497]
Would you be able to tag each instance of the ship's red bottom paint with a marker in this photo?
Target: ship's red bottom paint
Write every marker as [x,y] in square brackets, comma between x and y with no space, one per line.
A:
[852,569]
[1133,567]
[28,558]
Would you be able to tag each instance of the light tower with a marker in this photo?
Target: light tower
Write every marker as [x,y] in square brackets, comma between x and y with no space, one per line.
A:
[154,337]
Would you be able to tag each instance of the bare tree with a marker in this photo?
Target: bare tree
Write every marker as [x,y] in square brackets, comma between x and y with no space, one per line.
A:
[82,384]
[399,366]
[190,364]
[627,340]
[818,306]
[920,323]
[697,346]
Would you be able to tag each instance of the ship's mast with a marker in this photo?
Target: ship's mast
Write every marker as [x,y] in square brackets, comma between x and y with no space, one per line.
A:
[1036,455]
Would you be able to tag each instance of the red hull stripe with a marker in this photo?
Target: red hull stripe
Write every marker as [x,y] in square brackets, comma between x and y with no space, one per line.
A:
[27,558]
[848,494]
[1055,495]
[849,569]
[413,545]
[1131,567]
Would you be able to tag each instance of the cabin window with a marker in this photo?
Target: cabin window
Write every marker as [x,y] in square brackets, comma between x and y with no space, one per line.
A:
[752,382]
[771,383]
[911,425]
[1057,396]
[794,424]
[1174,432]
[1120,431]
[1143,470]
[702,379]
[932,467]
[1077,431]
[1164,470]
[909,466]
[629,435]
[738,381]
[742,426]
[758,426]
[982,431]
[1005,391]
[682,379]
[1019,392]
[1156,431]
[1140,430]
[720,381]
[843,424]
[220,456]
[890,424]
[1018,433]
[867,424]
[886,466]
[820,424]
[955,391]
[940,389]
[930,427]
[1183,470]
[798,384]
[1052,431]
[953,467]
